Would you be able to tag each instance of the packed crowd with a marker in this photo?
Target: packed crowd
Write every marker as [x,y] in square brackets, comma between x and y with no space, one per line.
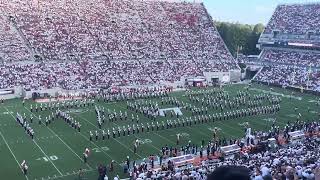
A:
[298,161]
[293,76]
[293,57]
[290,67]
[99,74]
[188,42]
[11,45]
[118,30]
[295,19]
[146,42]
[293,67]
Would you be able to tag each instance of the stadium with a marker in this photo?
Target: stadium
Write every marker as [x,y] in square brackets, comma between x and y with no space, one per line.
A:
[149,89]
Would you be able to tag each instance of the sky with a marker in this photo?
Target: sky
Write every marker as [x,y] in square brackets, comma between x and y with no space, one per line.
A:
[246,11]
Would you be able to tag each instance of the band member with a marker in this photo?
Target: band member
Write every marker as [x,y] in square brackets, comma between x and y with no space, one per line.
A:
[24,167]
[97,135]
[178,139]
[135,145]
[40,120]
[103,134]
[86,155]
[91,135]
[112,166]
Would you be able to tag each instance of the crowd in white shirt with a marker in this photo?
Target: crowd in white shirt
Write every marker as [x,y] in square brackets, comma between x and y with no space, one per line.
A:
[295,161]
[107,43]
[121,29]
[287,67]
[295,19]
[292,57]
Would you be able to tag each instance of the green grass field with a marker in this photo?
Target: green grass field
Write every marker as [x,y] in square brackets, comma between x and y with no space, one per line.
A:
[56,151]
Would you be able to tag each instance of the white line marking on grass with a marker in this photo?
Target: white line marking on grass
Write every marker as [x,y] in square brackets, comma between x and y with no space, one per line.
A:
[230,127]
[62,141]
[99,148]
[158,149]
[150,131]
[264,124]
[5,141]
[70,148]
[165,138]
[47,157]
[113,138]
[199,132]
[135,135]
[41,149]
[70,174]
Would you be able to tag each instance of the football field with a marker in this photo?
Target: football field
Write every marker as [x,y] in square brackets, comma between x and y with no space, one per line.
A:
[57,149]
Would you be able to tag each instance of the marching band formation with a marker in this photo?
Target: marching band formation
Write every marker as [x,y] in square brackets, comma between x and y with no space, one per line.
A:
[199,107]
[22,120]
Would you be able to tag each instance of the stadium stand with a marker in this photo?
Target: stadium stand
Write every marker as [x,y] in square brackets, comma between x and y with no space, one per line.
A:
[295,23]
[152,40]
[11,46]
[292,56]
[292,76]
[290,52]
[299,160]
[295,19]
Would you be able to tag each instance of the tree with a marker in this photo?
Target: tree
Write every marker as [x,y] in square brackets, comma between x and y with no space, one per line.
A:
[240,38]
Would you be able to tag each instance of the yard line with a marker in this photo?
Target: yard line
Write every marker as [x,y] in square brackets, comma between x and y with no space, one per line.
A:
[99,148]
[91,143]
[13,154]
[138,138]
[199,132]
[62,141]
[191,128]
[57,177]
[40,149]
[230,127]
[113,138]
[225,133]
[165,138]
[135,135]
[70,148]
[47,157]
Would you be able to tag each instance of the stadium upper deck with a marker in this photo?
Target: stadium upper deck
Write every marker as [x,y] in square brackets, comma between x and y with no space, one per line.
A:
[290,47]
[297,23]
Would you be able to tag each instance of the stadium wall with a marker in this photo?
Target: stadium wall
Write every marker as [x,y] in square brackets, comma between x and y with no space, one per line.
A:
[11,93]
[225,77]
[51,92]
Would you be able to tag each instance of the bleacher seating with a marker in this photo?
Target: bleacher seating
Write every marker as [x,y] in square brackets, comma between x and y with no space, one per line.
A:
[286,65]
[295,19]
[119,30]
[294,76]
[110,43]
[292,56]
[11,45]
